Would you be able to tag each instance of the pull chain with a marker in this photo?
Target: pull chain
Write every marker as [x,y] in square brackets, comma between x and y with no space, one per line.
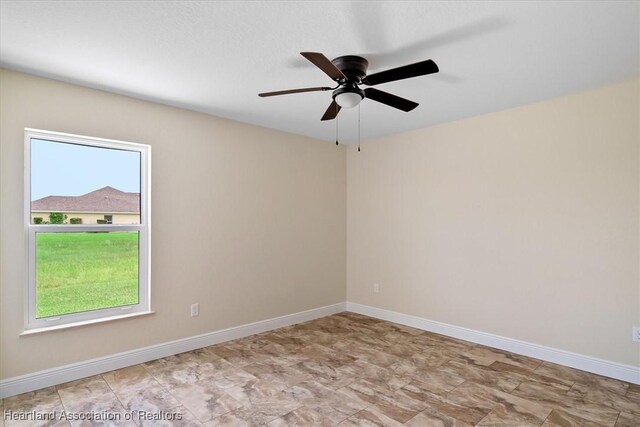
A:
[336,123]
[359,127]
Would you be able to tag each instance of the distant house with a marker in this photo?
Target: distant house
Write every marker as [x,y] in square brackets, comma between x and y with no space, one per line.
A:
[106,204]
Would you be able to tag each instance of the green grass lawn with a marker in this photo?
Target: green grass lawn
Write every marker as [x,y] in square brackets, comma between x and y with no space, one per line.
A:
[78,272]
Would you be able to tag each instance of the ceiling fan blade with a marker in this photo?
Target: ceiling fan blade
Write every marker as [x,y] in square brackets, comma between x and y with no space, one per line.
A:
[322,62]
[390,100]
[286,92]
[404,72]
[332,111]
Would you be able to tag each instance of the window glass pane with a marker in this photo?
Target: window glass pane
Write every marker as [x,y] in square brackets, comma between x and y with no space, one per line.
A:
[78,272]
[80,184]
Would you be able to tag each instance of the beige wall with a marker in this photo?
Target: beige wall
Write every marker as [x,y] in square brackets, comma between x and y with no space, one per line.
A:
[265,235]
[522,223]
[90,218]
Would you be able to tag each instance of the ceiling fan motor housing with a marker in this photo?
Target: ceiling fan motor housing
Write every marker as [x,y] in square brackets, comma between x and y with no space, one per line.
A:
[353,67]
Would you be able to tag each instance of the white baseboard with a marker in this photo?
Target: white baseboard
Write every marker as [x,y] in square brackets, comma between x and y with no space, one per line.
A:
[594,365]
[62,374]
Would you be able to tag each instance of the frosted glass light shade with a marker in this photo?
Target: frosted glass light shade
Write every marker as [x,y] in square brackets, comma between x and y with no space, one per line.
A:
[348,99]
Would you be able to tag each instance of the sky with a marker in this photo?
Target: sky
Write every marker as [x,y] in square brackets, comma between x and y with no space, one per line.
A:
[60,169]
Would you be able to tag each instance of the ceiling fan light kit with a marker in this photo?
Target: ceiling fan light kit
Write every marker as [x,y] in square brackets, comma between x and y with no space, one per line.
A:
[348,98]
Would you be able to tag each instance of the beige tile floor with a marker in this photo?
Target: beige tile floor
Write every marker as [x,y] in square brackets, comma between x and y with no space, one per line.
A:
[344,369]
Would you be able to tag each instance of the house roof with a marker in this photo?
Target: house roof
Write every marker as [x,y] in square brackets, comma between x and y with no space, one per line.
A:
[103,200]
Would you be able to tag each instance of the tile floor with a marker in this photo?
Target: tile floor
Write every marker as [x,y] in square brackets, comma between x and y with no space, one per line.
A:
[344,369]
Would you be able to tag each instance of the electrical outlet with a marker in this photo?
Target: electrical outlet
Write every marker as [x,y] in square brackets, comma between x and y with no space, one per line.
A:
[195,309]
[376,287]
[636,333]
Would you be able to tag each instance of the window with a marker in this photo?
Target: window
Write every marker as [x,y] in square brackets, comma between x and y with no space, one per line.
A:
[87,218]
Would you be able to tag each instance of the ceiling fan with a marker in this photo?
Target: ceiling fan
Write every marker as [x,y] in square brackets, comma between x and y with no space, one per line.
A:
[349,72]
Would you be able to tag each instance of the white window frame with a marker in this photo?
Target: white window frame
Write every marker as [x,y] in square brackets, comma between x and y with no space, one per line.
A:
[33,324]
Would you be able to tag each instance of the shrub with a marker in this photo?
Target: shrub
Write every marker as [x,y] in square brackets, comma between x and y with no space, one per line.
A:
[102,221]
[37,220]
[56,218]
[75,221]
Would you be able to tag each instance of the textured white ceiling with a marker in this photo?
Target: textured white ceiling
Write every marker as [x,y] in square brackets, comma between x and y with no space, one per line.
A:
[216,56]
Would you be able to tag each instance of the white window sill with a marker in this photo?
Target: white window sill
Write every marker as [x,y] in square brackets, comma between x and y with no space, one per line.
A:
[83,323]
